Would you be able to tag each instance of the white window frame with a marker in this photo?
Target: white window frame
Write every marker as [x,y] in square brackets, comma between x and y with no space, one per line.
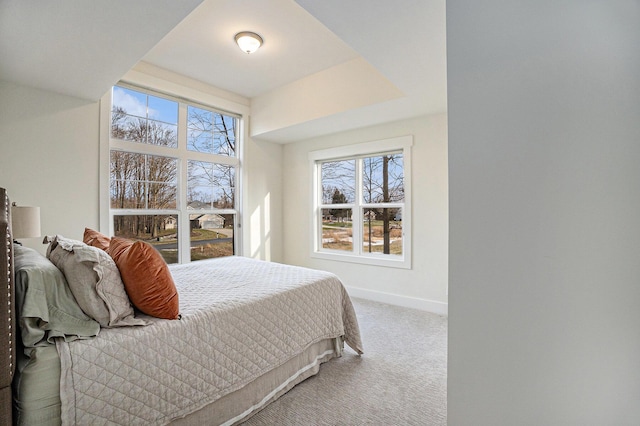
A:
[182,154]
[369,149]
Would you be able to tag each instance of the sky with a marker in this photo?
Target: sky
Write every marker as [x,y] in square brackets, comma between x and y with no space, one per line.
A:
[143,105]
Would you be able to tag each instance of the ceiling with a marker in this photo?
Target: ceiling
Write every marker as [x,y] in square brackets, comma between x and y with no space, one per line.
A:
[82,48]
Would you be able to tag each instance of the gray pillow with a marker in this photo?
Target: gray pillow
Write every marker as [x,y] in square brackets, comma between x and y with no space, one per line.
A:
[94,280]
[45,306]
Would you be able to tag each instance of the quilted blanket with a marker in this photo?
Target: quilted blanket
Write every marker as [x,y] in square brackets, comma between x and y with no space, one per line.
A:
[240,318]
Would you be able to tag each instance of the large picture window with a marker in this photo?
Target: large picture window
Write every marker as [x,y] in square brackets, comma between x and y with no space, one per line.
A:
[173,174]
[361,203]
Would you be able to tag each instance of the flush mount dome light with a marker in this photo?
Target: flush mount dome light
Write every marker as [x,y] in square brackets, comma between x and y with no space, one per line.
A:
[248,41]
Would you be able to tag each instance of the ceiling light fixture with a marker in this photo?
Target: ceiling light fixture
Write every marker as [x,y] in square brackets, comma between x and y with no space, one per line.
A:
[248,41]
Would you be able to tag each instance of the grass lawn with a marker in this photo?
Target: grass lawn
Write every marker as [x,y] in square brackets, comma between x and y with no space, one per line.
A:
[205,234]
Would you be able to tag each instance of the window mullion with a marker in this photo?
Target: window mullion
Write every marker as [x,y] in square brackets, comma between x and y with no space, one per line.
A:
[356,222]
[184,230]
[317,182]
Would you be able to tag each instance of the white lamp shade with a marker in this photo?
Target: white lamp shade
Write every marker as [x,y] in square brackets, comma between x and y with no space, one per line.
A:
[249,42]
[25,222]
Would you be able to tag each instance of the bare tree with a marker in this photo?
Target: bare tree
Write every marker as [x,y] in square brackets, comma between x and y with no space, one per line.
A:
[141,181]
[383,182]
[339,175]
[211,183]
[210,132]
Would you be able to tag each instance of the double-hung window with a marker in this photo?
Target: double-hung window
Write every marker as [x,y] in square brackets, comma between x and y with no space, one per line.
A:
[361,203]
[173,174]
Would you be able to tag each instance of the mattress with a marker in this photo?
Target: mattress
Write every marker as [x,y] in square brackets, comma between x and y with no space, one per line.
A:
[36,387]
[250,331]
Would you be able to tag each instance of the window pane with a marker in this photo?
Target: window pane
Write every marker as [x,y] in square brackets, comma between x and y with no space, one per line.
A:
[199,130]
[141,181]
[212,235]
[199,141]
[127,180]
[225,135]
[382,179]
[337,230]
[198,118]
[211,132]
[161,231]
[164,110]
[161,196]
[162,134]
[129,102]
[138,117]
[127,195]
[338,179]
[382,231]
[210,185]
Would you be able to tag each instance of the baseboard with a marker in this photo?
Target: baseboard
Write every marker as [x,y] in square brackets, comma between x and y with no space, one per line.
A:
[433,306]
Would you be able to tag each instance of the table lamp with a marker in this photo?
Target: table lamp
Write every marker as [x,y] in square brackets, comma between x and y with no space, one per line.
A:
[25,221]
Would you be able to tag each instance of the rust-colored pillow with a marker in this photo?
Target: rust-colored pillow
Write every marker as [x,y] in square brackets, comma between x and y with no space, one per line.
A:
[96,239]
[146,278]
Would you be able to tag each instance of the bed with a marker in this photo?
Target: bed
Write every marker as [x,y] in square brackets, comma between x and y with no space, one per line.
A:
[248,331]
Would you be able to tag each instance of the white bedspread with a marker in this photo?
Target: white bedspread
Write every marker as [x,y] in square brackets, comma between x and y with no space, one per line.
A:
[240,318]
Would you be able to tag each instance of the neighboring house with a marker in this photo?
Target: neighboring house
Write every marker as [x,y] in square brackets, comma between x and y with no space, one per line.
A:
[170,222]
[207,221]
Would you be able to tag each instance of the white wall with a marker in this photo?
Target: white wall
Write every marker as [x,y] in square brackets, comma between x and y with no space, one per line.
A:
[544,155]
[49,158]
[350,85]
[425,285]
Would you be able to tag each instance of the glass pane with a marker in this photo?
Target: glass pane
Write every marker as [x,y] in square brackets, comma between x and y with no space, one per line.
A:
[338,179]
[382,231]
[161,231]
[225,135]
[198,140]
[162,181]
[127,174]
[163,110]
[198,118]
[383,179]
[127,195]
[129,102]
[162,134]
[141,181]
[337,229]
[210,185]
[161,196]
[211,132]
[127,127]
[199,130]
[162,169]
[211,235]
[138,117]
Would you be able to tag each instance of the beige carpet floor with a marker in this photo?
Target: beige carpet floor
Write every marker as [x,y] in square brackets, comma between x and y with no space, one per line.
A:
[400,380]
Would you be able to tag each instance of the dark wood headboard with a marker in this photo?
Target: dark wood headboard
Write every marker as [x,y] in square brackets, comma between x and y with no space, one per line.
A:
[8,329]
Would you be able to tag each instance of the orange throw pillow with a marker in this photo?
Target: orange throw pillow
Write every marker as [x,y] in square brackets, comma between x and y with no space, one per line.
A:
[96,239]
[146,278]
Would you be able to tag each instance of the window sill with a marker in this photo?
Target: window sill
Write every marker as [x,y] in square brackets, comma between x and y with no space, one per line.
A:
[373,260]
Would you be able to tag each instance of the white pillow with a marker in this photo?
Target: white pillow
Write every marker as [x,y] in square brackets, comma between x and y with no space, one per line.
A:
[94,280]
